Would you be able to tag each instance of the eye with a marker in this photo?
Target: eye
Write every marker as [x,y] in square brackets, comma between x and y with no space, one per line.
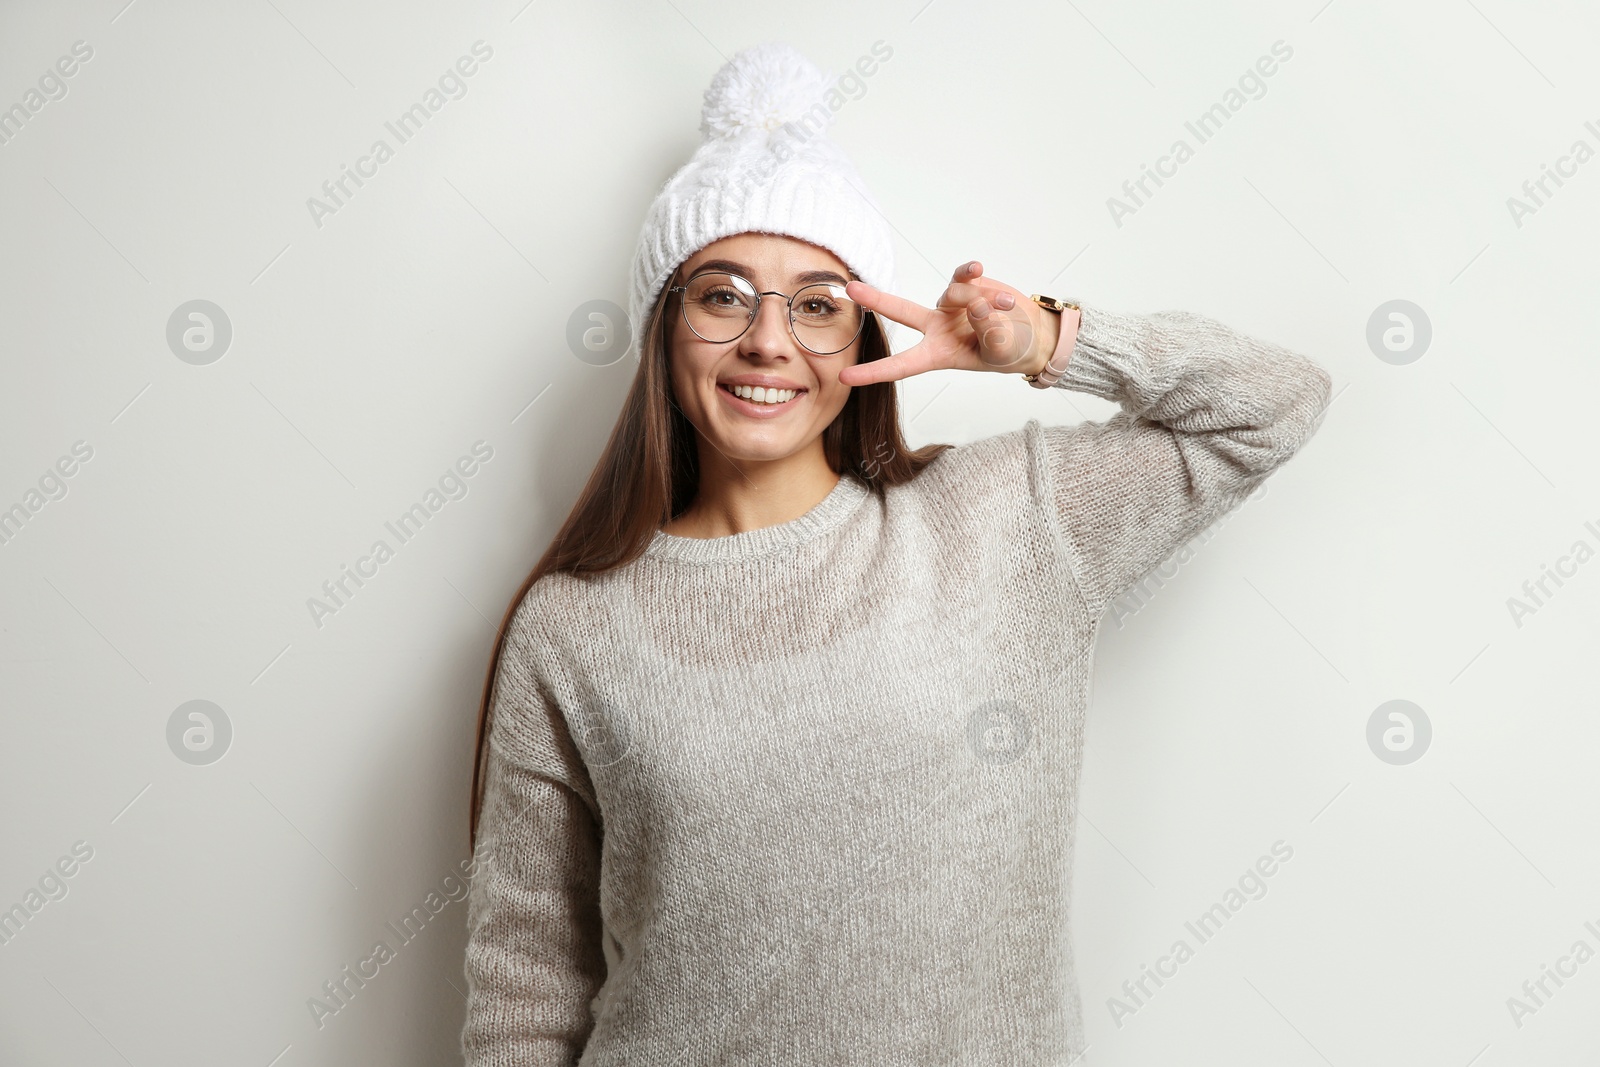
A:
[715,297]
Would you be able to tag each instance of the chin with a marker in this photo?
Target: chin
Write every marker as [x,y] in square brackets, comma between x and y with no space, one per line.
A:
[759,448]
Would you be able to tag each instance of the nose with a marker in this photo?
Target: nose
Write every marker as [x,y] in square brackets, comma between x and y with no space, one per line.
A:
[769,335]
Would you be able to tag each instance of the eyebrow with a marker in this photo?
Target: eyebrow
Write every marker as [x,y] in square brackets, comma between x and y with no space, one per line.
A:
[731,267]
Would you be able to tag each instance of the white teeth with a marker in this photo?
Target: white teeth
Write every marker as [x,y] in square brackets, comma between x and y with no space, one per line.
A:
[761,395]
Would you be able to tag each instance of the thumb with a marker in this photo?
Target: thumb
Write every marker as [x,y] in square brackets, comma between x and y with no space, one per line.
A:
[1004,335]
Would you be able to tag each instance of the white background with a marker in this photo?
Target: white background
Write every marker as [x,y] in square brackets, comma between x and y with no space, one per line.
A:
[372,351]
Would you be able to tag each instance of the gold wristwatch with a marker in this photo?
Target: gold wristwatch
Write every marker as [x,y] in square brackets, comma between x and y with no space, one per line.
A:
[1051,373]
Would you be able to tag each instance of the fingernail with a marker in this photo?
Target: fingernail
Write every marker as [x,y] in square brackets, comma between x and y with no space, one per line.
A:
[1005,301]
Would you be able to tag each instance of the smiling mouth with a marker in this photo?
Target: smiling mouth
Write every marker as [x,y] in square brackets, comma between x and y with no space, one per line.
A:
[764,397]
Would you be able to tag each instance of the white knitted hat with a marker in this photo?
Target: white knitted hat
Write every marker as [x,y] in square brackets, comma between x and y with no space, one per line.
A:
[765,163]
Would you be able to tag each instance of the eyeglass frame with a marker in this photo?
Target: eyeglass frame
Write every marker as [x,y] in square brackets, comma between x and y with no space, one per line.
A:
[683,309]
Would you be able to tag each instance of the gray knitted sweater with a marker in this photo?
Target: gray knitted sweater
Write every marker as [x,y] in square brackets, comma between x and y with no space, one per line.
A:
[807,794]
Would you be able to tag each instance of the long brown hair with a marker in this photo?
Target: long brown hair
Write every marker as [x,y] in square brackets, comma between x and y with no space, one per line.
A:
[649,472]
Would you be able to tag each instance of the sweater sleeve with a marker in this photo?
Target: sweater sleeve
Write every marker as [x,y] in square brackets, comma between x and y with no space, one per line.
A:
[1207,414]
[534,960]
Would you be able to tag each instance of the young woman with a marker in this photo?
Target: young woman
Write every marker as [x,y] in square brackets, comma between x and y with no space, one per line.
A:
[780,744]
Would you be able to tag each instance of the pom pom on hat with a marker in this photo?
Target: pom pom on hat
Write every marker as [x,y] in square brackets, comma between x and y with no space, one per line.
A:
[763,88]
[765,164]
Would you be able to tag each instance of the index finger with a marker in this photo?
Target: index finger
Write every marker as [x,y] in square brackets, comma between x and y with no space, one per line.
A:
[914,360]
[898,308]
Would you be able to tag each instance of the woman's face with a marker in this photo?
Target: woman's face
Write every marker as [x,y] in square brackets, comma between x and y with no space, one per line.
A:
[767,354]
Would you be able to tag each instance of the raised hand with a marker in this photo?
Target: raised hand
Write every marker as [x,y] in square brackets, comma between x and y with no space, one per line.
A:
[977,324]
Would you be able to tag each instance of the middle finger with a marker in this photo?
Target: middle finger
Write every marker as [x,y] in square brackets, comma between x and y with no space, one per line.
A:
[963,294]
[906,312]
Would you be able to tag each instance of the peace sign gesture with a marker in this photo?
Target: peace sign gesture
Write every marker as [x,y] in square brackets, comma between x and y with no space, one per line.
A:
[977,324]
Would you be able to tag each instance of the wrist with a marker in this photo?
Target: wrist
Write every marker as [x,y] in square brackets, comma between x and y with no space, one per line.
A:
[1044,347]
[1058,337]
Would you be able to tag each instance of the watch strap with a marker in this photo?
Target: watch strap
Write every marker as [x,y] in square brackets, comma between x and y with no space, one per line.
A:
[1052,372]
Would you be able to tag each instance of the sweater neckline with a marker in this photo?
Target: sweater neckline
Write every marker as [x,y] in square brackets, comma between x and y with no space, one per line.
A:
[841,501]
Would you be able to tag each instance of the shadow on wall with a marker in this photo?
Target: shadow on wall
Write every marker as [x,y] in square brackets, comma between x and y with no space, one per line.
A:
[406,935]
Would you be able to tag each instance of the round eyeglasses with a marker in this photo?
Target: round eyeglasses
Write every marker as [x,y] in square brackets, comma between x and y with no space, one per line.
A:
[719,307]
